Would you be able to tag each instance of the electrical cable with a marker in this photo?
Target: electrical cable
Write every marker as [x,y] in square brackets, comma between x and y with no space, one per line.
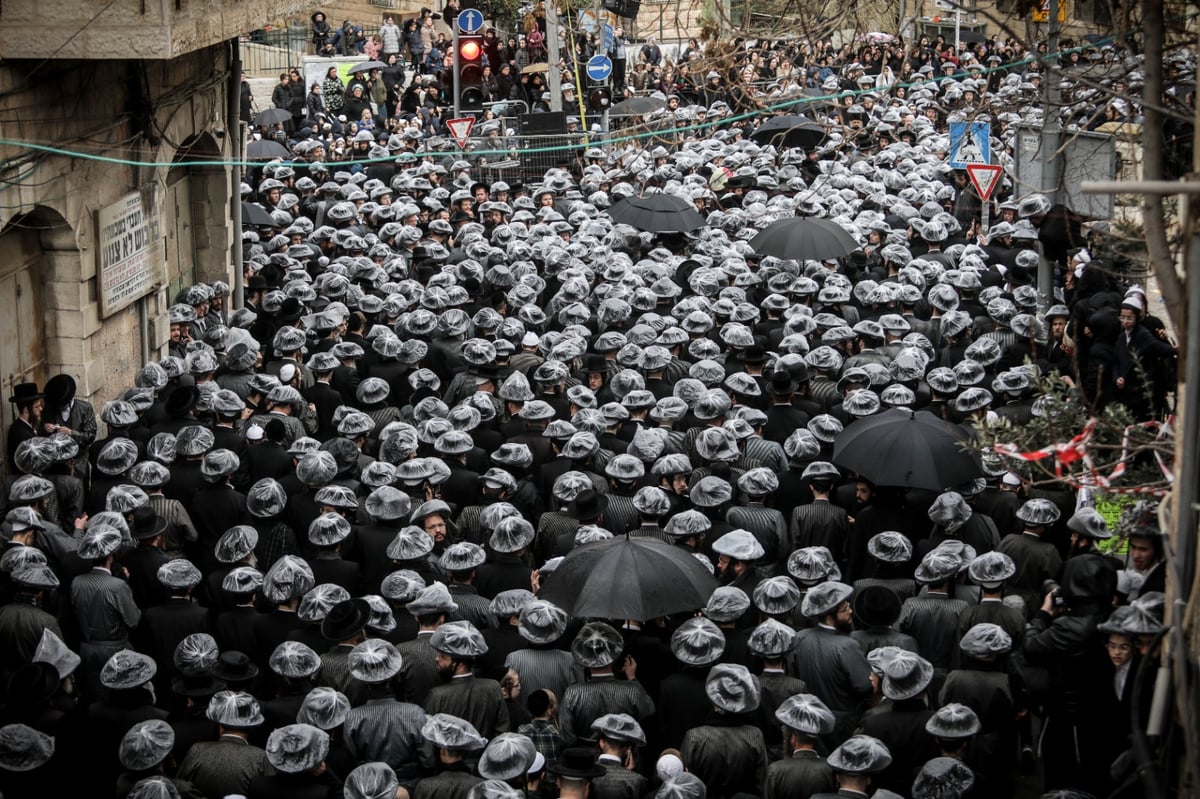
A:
[788,104]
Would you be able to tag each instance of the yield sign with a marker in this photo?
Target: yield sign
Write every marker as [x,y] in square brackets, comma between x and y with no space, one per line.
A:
[460,129]
[985,178]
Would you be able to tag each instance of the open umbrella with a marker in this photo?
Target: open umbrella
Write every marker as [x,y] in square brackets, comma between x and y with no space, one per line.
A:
[657,213]
[272,116]
[914,449]
[789,130]
[266,149]
[804,238]
[366,66]
[636,105]
[629,578]
[255,216]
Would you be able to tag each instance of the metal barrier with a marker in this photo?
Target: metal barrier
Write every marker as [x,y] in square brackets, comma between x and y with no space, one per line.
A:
[523,159]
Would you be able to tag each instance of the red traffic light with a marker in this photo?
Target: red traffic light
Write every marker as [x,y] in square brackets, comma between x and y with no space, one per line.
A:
[469,50]
[599,99]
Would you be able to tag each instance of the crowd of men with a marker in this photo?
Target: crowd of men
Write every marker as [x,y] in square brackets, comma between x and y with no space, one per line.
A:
[302,554]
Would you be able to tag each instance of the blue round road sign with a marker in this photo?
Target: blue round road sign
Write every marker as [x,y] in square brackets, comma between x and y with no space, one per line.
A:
[470,20]
[599,67]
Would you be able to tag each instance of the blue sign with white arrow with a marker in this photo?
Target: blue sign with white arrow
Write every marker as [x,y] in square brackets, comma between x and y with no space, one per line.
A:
[470,20]
[599,67]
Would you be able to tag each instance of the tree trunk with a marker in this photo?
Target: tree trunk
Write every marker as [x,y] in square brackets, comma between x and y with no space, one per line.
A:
[1153,217]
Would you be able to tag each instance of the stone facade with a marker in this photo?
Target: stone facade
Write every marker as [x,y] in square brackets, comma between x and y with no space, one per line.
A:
[105,129]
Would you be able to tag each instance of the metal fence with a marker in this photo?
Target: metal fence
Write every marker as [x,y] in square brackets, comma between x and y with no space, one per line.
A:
[523,158]
[267,52]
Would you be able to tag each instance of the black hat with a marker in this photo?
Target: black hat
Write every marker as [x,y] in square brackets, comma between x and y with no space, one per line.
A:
[147,523]
[782,383]
[31,685]
[587,504]
[204,684]
[487,370]
[181,400]
[877,606]
[60,390]
[345,619]
[290,310]
[595,364]
[256,283]
[235,669]
[25,392]
[754,355]
[578,763]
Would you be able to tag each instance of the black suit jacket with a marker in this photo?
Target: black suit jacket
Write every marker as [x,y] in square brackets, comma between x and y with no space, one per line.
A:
[266,459]
[327,399]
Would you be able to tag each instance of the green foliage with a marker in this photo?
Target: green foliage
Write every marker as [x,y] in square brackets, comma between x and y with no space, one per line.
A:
[1060,417]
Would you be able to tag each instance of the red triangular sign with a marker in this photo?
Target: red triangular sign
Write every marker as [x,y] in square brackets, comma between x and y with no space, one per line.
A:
[985,178]
[460,129]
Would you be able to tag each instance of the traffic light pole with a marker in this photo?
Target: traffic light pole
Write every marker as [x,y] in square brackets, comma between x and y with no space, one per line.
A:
[456,71]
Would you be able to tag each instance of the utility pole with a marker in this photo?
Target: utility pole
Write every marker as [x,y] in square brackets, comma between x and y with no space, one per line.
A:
[553,74]
[1051,127]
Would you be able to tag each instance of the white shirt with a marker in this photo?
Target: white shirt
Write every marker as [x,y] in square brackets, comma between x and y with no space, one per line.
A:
[1119,678]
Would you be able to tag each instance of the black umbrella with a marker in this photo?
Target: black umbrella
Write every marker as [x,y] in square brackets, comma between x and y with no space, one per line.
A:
[789,130]
[636,105]
[914,449]
[629,578]
[804,238]
[254,215]
[972,37]
[272,116]
[657,213]
[366,66]
[266,148]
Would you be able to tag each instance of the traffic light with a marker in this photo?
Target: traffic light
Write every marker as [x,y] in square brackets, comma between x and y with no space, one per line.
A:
[470,72]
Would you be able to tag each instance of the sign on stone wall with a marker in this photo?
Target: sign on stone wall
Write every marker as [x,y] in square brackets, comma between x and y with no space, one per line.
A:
[127,241]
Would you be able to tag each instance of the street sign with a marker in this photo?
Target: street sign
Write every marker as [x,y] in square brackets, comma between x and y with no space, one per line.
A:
[985,178]
[970,143]
[589,22]
[470,20]
[610,35]
[599,67]
[460,129]
[1042,12]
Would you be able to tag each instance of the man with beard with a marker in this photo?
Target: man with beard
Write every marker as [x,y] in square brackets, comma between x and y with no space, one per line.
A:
[737,551]
[833,664]
[458,644]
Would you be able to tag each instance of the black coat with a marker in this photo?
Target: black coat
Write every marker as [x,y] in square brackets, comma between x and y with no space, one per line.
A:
[503,572]
[295,786]
[682,704]
[164,626]
[730,757]
[266,459]
[901,726]
[235,629]
[143,564]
